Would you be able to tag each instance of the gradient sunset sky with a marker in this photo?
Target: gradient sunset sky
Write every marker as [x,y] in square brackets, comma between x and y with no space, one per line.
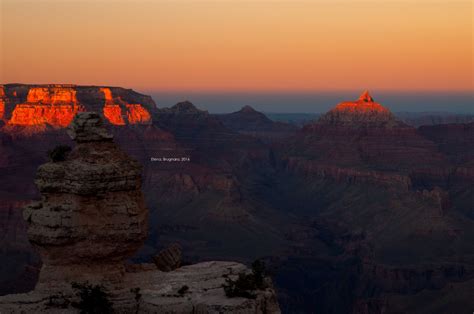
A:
[239,45]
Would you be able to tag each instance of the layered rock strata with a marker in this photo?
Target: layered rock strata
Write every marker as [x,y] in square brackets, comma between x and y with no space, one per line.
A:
[37,107]
[160,292]
[91,205]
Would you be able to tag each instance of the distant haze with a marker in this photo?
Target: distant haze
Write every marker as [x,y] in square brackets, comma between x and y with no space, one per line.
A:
[317,102]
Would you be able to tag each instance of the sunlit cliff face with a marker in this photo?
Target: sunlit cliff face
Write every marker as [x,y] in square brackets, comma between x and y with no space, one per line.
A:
[113,113]
[51,95]
[57,105]
[135,113]
[2,102]
[107,93]
[56,116]
[2,109]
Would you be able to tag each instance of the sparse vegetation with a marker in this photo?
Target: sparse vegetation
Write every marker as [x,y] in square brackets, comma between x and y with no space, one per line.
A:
[58,301]
[59,153]
[183,290]
[138,296]
[247,284]
[93,299]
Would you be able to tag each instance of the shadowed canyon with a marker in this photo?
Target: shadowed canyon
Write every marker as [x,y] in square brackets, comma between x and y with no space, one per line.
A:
[356,211]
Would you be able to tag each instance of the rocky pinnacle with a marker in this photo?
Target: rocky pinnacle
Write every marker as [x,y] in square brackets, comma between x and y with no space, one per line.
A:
[92,214]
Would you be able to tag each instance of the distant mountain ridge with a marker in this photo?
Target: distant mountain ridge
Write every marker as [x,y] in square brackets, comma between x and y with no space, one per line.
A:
[251,122]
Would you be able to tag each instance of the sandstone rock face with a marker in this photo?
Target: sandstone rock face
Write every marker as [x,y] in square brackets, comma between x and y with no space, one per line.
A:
[30,115]
[91,205]
[52,95]
[135,113]
[32,106]
[113,113]
[160,293]
[2,102]
[55,106]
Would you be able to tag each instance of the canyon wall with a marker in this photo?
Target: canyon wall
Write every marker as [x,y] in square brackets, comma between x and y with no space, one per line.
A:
[39,107]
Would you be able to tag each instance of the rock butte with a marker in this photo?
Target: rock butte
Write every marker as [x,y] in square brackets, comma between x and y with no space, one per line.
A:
[91,218]
[56,106]
[361,112]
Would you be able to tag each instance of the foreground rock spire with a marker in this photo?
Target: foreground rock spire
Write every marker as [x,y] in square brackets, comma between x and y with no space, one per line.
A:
[92,214]
[91,218]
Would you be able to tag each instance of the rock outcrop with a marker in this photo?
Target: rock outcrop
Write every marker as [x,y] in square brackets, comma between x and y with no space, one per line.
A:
[168,259]
[91,205]
[36,107]
[91,218]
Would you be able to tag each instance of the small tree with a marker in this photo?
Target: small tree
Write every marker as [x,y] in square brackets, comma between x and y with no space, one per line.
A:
[93,299]
[59,153]
[138,296]
[259,273]
[183,290]
[246,284]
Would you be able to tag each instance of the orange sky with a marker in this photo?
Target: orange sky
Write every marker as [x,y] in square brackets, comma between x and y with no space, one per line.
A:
[239,44]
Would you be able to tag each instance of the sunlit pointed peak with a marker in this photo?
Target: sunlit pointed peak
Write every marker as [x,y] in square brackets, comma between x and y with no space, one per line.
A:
[365,96]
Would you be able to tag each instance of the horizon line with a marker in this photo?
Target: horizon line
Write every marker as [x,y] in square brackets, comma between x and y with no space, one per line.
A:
[256,91]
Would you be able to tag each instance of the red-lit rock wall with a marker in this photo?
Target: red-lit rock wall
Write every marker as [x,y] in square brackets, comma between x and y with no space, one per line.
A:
[2,102]
[113,113]
[136,114]
[2,109]
[56,105]
[51,95]
[36,114]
